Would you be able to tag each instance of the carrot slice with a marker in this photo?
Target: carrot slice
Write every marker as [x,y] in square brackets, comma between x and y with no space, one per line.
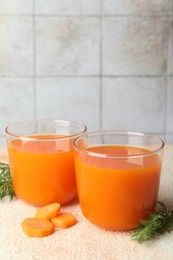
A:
[64,220]
[37,227]
[48,211]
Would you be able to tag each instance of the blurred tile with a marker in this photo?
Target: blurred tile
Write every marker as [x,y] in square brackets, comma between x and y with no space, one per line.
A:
[16,7]
[16,46]
[135,104]
[171,49]
[67,46]
[3,149]
[170,106]
[16,101]
[69,98]
[135,6]
[2,142]
[169,139]
[134,46]
[67,7]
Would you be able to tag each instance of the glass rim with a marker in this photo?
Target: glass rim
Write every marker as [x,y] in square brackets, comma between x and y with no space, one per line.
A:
[120,132]
[23,137]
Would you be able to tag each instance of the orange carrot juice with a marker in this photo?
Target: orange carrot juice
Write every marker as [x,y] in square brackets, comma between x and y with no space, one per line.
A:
[42,169]
[115,193]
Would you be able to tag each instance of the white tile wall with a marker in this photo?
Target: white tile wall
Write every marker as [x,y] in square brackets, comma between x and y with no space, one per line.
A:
[16,46]
[68,7]
[16,6]
[170,107]
[170,59]
[134,104]
[169,139]
[16,101]
[3,146]
[135,6]
[134,45]
[106,63]
[68,46]
[71,99]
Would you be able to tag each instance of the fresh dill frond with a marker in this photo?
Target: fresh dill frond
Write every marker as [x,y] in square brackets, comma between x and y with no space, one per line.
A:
[157,223]
[6,187]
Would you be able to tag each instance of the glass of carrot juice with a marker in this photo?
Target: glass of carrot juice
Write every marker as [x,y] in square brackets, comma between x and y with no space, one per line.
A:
[41,160]
[118,175]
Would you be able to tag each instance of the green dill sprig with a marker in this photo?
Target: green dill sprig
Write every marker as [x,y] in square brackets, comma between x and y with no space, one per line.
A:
[157,223]
[6,187]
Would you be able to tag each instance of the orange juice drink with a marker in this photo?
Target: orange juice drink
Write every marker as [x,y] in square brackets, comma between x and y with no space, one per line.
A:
[42,164]
[117,184]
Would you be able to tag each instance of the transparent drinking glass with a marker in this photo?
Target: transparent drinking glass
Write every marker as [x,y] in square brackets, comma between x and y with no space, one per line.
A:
[41,160]
[118,176]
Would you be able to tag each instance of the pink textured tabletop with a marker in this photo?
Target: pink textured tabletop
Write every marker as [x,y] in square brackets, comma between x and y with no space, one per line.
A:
[84,240]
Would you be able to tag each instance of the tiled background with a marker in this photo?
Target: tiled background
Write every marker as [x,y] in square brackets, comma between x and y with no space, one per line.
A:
[106,63]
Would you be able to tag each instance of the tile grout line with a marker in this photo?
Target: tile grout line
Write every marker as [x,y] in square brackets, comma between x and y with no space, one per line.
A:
[169,48]
[139,15]
[85,76]
[171,5]
[165,64]
[101,66]
[34,60]
[162,14]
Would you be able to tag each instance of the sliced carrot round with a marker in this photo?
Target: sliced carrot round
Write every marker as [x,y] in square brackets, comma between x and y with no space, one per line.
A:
[37,227]
[48,211]
[64,220]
